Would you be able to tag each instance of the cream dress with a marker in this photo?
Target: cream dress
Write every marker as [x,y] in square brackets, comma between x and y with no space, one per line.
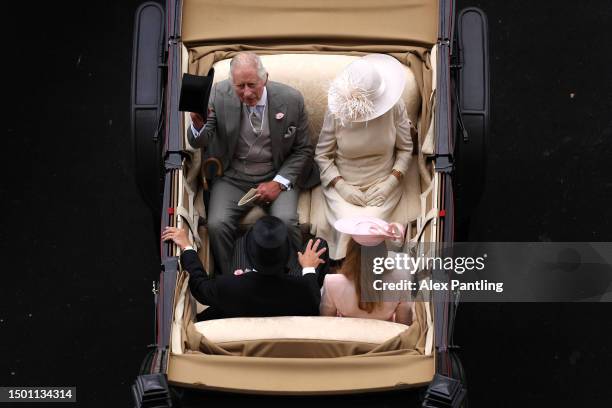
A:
[363,153]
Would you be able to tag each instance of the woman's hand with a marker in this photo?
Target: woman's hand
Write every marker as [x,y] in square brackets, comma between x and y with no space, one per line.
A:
[351,194]
[377,194]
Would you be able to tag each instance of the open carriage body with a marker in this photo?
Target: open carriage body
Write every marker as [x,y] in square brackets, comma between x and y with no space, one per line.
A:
[304,45]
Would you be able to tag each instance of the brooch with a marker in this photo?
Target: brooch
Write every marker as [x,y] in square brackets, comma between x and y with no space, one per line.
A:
[279,115]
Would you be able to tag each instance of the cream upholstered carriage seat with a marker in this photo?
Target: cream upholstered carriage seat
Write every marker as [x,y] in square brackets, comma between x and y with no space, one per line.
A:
[311,74]
[299,327]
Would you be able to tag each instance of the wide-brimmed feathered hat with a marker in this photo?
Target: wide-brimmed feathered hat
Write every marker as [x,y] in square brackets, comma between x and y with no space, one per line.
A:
[366,88]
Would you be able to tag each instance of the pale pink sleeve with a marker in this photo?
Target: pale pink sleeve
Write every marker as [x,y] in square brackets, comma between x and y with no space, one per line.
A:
[403,313]
[327,306]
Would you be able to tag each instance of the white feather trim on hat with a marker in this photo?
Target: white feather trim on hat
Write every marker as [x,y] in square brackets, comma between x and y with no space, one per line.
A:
[348,100]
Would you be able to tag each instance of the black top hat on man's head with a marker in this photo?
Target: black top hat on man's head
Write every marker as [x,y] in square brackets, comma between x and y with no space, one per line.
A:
[267,245]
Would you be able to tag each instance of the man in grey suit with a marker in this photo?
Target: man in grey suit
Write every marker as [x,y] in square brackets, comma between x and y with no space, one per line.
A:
[259,131]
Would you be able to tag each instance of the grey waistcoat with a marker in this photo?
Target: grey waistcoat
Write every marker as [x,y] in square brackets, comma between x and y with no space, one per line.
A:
[253,154]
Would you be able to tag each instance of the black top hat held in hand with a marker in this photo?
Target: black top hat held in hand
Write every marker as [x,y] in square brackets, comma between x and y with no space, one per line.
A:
[195,93]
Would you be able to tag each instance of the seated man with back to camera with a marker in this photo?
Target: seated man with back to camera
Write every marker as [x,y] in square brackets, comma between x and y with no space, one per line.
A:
[266,291]
[259,130]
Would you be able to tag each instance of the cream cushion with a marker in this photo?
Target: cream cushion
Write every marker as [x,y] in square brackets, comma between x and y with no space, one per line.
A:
[299,327]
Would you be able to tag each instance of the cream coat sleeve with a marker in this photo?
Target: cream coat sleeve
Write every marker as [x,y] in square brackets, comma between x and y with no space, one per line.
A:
[403,140]
[325,153]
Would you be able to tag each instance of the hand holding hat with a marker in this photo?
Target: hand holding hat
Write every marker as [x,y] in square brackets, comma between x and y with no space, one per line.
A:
[377,194]
[198,120]
[370,231]
[351,194]
[268,191]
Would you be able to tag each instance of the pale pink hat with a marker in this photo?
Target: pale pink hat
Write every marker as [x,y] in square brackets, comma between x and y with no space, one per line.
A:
[370,231]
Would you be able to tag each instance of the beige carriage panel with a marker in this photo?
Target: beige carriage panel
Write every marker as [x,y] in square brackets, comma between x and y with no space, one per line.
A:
[227,21]
[301,376]
[312,74]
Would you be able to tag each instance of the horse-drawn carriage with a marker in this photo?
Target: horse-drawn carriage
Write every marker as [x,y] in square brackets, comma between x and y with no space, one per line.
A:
[305,45]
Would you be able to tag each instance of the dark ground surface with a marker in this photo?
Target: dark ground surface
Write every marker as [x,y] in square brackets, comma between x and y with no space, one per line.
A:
[78,246]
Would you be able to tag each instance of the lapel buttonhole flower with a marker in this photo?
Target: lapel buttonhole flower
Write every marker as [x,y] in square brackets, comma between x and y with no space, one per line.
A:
[279,115]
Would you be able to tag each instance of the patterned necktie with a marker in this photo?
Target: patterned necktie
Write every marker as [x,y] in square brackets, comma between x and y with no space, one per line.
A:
[255,118]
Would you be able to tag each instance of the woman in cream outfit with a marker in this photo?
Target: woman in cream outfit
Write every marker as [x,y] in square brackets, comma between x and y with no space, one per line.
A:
[365,147]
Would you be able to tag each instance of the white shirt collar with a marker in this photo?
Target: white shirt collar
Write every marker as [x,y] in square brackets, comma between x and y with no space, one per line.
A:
[264,98]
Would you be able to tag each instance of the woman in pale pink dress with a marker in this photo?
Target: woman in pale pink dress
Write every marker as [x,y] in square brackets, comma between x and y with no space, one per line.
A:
[342,293]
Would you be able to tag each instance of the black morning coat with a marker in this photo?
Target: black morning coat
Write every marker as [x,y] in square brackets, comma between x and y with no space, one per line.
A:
[252,294]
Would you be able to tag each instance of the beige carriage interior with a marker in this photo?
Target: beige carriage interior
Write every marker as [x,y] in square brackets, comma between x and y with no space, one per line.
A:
[306,46]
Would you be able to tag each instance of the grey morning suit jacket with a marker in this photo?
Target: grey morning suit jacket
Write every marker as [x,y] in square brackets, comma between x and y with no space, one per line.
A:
[292,153]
